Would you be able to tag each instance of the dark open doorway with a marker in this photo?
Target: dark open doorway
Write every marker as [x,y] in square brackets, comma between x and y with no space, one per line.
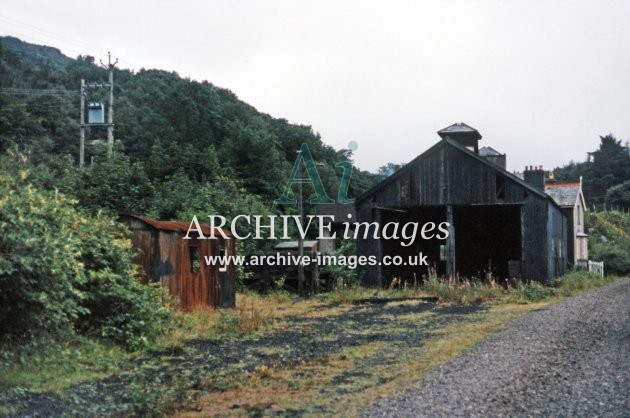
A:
[487,238]
[409,273]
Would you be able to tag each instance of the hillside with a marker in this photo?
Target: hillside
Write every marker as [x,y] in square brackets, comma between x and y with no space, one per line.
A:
[181,145]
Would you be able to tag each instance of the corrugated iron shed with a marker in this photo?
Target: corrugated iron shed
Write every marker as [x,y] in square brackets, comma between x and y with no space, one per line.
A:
[180,264]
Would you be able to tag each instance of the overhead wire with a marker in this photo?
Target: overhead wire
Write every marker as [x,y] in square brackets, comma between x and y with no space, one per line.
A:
[44,35]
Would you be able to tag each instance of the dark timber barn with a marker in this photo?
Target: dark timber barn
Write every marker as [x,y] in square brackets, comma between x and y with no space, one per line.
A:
[179,265]
[498,222]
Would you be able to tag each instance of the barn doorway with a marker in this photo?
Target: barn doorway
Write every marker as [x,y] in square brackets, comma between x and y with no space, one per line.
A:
[411,272]
[487,239]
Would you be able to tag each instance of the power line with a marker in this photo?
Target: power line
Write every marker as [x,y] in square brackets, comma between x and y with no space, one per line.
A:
[50,34]
[45,36]
[38,92]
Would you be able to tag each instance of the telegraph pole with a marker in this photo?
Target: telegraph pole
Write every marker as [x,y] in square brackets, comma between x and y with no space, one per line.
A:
[99,120]
[110,111]
[301,278]
[82,125]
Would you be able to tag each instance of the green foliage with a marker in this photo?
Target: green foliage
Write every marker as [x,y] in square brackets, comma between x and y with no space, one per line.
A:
[342,276]
[576,281]
[618,196]
[608,167]
[119,308]
[55,364]
[531,292]
[39,269]
[62,270]
[179,136]
[116,184]
[609,240]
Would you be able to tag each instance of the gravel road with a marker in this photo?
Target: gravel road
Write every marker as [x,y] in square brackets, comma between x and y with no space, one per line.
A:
[569,360]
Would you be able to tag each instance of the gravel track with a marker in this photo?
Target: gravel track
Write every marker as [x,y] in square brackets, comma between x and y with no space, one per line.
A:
[571,359]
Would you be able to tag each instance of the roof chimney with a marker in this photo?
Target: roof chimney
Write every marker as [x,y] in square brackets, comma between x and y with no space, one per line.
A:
[535,177]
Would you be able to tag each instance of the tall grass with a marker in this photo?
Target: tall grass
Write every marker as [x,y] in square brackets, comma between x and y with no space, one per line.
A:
[462,291]
[577,281]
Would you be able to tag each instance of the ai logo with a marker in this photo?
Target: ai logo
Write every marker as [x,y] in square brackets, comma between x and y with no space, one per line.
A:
[321,198]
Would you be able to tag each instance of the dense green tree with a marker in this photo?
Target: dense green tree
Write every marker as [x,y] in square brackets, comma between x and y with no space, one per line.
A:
[606,167]
[610,166]
[619,196]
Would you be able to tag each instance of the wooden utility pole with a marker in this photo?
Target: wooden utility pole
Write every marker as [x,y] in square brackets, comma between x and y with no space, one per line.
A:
[82,126]
[451,266]
[300,239]
[110,111]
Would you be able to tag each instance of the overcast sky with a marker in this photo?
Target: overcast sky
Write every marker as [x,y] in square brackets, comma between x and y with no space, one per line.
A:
[541,80]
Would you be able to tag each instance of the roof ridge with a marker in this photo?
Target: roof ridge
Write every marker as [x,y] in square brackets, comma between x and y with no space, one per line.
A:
[563,184]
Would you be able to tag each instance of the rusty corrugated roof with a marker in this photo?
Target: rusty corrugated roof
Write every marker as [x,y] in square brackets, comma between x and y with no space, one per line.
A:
[178,226]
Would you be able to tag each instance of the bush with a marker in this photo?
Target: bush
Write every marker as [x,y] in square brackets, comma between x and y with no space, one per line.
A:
[63,270]
[531,292]
[39,269]
[118,307]
[342,276]
[578,280]
[609,240]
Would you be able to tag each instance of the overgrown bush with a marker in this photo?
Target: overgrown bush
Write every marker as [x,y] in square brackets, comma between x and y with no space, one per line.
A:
[62,270]
[531,292]
[609,240]
[578,280]
[118,307]
[341,275]
[39,269]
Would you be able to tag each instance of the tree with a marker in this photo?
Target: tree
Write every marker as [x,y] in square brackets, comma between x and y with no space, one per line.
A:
[610,166]
[619,195]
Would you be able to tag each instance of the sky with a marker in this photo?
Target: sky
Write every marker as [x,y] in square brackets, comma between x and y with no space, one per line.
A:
[540,79]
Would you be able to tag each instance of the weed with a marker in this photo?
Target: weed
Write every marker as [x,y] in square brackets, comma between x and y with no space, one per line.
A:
[530,292]
[579,280]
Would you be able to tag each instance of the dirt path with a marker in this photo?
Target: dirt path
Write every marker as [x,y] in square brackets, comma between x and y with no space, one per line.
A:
[571,359]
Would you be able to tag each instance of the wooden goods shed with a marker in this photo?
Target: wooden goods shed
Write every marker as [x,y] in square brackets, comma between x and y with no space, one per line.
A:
[179,264]
[499,223]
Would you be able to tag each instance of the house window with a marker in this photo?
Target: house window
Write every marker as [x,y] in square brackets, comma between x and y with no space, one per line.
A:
[195,262]
[222,266]
[579,215]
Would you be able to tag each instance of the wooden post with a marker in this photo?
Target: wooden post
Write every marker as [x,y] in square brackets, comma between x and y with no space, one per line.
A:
[314,274]
[450,244]
[82,126]
[110,113]
[300,239]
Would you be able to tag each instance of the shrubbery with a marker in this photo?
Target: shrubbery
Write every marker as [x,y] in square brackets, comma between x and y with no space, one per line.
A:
[63,271]
[609,240]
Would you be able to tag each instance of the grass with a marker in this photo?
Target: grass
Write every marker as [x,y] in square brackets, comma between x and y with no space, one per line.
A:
[55,365]
[311,387]
[315,388]
[578,281]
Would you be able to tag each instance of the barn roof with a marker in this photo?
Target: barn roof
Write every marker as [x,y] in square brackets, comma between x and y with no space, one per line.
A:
[452,143]
[177,226]
[564,194]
